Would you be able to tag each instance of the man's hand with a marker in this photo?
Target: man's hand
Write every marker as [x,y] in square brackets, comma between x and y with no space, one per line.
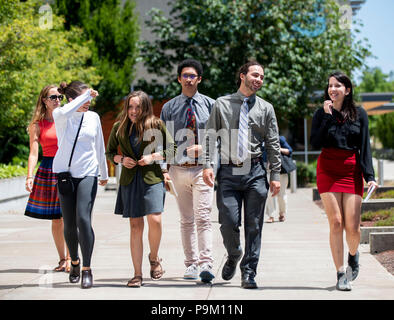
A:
[208,177]
[274,187]
[103,182]
[194,151]
[166,179]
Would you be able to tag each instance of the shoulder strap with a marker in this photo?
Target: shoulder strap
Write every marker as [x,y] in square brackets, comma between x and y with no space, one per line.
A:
[75,141]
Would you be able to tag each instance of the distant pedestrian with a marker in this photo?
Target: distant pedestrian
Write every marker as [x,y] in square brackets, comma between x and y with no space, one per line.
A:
[88,163]
[142,191]
[280,201]
[43,201]
[341,130]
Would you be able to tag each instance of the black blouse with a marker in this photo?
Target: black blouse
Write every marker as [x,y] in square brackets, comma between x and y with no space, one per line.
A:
[331,131]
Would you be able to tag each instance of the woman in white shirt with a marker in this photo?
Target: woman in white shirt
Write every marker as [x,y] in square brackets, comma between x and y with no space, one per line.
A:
[88,162]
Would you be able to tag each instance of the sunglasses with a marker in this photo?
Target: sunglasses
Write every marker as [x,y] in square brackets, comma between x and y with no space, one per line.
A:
[191,76]
[54,97]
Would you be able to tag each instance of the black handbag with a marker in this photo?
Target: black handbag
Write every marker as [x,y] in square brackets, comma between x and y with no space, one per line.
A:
[64,179]
[287,164]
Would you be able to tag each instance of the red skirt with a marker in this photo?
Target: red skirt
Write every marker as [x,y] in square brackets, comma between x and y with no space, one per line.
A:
[339,170]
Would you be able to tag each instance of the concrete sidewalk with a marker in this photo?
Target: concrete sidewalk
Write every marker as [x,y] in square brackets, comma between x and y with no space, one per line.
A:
[295,260]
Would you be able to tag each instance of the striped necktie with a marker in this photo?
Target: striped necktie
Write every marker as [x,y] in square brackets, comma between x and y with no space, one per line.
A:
[242,151]
[191,119]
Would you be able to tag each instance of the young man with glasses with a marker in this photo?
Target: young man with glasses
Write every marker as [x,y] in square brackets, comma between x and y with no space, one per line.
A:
[185,117]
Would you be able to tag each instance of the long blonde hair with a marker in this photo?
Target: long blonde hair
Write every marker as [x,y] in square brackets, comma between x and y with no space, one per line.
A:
[146,119]
[41,108]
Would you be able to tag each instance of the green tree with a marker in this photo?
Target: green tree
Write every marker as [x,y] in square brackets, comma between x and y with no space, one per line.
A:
[298,42]
[374,80]
[33,55]
[113,29]
[380,126]
[384,129]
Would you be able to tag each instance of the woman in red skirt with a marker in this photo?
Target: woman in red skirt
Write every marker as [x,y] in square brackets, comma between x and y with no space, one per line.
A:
[43,201]
[341,130]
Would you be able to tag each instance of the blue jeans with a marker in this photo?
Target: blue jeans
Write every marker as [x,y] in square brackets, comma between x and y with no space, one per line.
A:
[250,189]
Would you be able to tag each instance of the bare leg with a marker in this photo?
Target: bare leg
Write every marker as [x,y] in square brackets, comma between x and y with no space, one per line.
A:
[332,202]
[352,215]
[58,237]
[136,243]
[154,234]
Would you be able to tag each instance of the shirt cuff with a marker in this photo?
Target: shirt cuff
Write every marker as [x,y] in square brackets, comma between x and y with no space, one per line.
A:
[274,176]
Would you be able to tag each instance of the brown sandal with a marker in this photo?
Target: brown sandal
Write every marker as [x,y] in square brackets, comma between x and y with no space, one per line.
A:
[135,282]
[61,267]
[155,274]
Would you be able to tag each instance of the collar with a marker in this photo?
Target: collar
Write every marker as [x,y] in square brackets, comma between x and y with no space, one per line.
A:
[197,97]
[241,97]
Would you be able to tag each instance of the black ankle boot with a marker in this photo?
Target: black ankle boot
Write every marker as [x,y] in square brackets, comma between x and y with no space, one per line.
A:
[87,279]
[75,273]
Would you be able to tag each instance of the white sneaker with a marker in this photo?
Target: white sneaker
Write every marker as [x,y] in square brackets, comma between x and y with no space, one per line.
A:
[206,273]
[191,272]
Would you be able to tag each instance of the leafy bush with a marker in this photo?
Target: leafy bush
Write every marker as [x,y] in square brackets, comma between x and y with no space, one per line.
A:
[384,195]
[9,171]
[384,129]
[385,223]
[380,217]
[306,173]
[387,154]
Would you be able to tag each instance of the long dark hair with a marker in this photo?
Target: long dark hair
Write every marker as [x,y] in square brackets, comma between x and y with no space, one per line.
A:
[348,109]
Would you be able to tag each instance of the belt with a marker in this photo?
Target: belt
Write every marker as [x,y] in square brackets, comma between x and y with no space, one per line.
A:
[189,165]
[241,164]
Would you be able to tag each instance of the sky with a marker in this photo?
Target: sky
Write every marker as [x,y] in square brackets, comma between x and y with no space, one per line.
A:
[378,19]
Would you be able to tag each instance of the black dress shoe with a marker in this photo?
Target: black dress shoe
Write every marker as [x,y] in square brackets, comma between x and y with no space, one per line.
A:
[229,268]
[248,282]
[87,279]
[75,273]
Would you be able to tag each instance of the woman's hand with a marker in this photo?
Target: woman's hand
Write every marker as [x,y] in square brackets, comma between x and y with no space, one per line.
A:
[371,184]
[29,184]
[93,93]
[328,106]
[129,163]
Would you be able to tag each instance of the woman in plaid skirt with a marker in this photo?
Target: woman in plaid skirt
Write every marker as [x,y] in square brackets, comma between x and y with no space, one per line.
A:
[43,201]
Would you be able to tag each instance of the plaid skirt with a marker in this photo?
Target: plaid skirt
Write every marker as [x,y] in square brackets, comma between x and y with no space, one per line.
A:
[43,202]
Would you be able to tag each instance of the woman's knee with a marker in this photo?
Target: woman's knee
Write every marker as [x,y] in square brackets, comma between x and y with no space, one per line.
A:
[336,225]
[137,224]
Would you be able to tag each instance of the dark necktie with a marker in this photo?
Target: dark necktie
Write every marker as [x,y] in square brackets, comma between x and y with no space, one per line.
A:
[191,119]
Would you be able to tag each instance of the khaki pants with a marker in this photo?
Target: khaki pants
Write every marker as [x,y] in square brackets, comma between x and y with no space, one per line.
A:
[279,202]
[195,205]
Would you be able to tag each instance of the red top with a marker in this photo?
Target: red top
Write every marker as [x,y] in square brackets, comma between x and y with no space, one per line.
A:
[48,139]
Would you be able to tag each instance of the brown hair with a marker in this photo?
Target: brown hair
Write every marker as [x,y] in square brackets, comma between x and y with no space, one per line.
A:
[245,69]
[41,108]
[146,119]
[73,89]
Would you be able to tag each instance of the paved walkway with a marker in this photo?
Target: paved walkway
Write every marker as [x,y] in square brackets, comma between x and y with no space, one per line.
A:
[295,260]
